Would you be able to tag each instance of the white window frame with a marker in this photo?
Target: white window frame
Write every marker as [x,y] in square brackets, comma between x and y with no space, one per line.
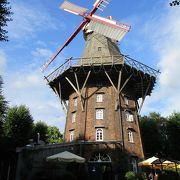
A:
[75,102]
[126,101]
[71,137]
[130,136]
[99,97]
[129,116]
[99,134]
[99,113]
[73,117]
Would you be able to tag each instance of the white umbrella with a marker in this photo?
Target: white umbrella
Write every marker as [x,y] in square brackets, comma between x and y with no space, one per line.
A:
[65,157]
[148,162]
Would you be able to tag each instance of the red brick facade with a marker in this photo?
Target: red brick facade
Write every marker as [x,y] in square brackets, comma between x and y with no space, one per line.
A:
[114,124]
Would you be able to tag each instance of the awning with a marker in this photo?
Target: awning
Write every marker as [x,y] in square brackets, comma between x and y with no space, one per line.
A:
[65,157]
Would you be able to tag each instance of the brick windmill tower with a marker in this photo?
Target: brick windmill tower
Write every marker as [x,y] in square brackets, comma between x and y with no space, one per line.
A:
[99,92]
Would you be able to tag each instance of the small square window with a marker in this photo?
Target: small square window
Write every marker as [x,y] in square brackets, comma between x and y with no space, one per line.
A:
[99,97]
[75,102]
[73,117]
[129,116]
[99,48]
[99,113]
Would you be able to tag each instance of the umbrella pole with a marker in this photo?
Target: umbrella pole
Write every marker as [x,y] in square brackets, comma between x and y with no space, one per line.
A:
[175,166]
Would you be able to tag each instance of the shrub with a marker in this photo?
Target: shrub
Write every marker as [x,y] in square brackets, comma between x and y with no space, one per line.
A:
[130,175]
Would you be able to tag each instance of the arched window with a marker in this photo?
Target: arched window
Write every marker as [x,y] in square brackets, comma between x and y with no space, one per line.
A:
[129,116]
[100,157]
[99,97]
[99,134]
[130,136]
[71,136]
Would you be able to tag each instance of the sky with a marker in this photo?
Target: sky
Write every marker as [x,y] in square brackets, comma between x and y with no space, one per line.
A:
[39,28]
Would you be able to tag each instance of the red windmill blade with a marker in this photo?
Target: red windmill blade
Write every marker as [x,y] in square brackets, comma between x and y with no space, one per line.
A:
[104,26]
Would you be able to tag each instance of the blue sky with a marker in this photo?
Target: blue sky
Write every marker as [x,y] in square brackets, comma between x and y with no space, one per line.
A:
[40,27]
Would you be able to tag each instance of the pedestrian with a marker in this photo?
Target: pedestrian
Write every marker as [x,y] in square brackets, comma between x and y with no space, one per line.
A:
[151,176]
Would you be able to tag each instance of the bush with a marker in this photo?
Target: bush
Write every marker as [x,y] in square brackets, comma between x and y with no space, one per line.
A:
[168,175]
[130,175]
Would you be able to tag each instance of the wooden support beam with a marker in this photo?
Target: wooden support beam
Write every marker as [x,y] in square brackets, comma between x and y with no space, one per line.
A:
[77,90]
[119,80]
[111,82]
[72,85]
[80,94]
[125,83]
[87,77]
[77,83]
[57,93]
[118,88]
[143,98]
[60,94]
[82,89]
[65,104]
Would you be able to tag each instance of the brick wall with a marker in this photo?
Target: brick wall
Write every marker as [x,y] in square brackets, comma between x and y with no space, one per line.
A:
[114,128]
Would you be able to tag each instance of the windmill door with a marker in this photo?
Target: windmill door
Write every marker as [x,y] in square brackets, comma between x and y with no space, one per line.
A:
[99,167]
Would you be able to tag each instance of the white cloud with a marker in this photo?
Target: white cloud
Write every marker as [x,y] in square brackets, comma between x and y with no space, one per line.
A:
[29,88]
[2,62]
[28,20]
[165,39]
[42,52]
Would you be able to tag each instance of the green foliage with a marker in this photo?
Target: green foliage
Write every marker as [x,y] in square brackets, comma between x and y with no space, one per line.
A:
[130,175]
[5,13]
[168,175]
[153,133]
[160,135]
[173,134]
[41,128]
[18,125]
[3,107]
[54,135]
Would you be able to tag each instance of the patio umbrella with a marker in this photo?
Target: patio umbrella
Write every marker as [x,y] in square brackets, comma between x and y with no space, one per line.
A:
[168,164]
[148,162]
[65,157]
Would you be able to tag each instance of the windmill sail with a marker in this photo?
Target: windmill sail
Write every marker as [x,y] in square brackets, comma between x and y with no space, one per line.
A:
[70,7]
[103,26]
[109,28]
[101,4]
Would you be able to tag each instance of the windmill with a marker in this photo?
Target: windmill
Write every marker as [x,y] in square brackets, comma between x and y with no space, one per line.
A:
[100,91]
[104,26]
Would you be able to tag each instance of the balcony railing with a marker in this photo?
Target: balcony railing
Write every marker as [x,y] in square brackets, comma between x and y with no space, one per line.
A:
[101,61]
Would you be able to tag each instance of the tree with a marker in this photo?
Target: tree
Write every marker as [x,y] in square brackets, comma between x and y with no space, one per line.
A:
[173,134]
[153,134]
[41,128]
[54,135]
[5,13]
[3,107]
[174,3]
[18,125]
